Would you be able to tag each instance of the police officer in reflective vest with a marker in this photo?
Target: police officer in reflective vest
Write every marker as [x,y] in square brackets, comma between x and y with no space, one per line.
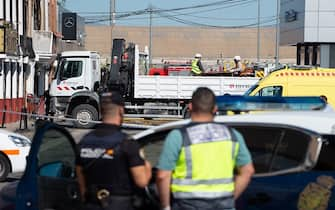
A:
[197,67]
[197,162]
[110,165]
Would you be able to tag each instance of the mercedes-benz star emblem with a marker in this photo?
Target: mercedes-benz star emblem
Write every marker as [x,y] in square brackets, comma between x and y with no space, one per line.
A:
[68,22]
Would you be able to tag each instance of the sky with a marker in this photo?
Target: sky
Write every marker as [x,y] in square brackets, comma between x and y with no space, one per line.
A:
[210,13]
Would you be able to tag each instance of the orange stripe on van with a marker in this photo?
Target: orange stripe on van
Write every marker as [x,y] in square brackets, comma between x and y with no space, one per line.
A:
[11,151]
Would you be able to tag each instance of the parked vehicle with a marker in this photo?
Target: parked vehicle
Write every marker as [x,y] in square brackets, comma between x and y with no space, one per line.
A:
[13,151]
[297,81]
[74,90]
[292,153]
[242,104]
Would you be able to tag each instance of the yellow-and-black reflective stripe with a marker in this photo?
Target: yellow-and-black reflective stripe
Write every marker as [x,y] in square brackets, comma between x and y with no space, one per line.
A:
[260,74]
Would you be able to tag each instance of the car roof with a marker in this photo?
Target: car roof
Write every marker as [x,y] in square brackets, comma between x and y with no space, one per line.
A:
[316,121]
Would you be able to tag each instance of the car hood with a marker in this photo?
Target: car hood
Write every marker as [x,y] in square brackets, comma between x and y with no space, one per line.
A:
[7,133]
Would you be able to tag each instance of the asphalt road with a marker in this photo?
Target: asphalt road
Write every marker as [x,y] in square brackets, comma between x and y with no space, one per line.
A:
[77,135]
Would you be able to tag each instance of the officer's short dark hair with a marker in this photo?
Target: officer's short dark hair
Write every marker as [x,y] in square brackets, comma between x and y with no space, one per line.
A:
[203,100]
[110,102]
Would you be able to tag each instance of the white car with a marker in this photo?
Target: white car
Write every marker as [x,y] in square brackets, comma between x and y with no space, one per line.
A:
[14,149]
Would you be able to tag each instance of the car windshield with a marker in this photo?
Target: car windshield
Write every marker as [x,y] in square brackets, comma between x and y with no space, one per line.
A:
[248,92]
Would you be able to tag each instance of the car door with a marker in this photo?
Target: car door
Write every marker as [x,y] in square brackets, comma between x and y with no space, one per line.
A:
[282,157]
[49,181]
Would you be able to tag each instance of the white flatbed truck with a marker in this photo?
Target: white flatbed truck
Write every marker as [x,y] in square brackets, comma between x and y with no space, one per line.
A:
[78,82]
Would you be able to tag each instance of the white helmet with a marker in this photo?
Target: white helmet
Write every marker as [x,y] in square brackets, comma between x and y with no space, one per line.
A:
[237,57]
[198,55]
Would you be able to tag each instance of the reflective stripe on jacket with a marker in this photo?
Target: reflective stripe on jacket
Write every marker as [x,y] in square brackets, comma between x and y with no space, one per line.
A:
[195,67]
[206,162]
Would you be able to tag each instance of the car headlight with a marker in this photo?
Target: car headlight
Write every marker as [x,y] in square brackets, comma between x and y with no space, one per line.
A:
[19,141]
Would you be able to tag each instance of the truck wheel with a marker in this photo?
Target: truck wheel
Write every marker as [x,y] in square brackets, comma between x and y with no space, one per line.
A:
[84,112]
[4,168]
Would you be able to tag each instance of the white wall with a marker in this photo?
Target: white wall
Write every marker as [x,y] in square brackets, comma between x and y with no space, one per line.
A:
[30,78]
[20,11]
[7,15]
[14,82]
[1,82]
[14,13]
[21,81]
[2,15]
[8,90]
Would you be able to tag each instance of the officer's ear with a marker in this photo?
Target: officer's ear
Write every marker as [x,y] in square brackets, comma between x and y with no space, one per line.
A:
[121,111]
[190,106]
[215,109]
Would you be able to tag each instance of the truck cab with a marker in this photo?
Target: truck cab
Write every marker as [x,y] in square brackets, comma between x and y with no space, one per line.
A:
[76,70]
[76,80]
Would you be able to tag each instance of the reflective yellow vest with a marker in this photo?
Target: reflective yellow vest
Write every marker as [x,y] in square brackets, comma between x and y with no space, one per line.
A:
[195,67]
[206,162]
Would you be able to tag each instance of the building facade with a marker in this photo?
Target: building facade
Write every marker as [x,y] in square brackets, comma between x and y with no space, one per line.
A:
[309,26]
[30,38]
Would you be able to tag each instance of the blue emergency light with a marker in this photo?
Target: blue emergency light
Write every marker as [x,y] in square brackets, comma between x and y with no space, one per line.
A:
[268,103]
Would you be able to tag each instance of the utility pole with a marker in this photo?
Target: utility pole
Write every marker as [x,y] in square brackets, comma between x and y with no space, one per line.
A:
[258,30]
[277,33]
[150,36]
[112,21]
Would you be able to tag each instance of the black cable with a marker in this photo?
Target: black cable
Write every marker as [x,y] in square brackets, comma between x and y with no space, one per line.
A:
[177,9]
[187,22]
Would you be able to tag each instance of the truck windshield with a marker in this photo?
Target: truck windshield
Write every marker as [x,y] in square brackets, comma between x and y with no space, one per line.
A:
[69,68]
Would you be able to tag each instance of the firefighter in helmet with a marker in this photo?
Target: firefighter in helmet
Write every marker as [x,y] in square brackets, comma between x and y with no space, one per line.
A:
[197,67]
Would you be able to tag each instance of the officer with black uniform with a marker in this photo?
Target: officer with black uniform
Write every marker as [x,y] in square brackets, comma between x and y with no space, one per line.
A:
[110,166]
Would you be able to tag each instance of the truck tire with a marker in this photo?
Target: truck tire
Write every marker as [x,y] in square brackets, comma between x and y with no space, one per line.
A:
[4,168]
[84,112]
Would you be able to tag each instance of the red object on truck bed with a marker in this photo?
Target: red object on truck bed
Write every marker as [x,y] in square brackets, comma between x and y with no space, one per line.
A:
[172,69]
[158,71]
[179,70]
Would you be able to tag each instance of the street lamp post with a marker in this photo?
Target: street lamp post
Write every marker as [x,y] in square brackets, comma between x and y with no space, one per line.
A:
[258,30]
[150,36]
[277,33]
[112,21]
